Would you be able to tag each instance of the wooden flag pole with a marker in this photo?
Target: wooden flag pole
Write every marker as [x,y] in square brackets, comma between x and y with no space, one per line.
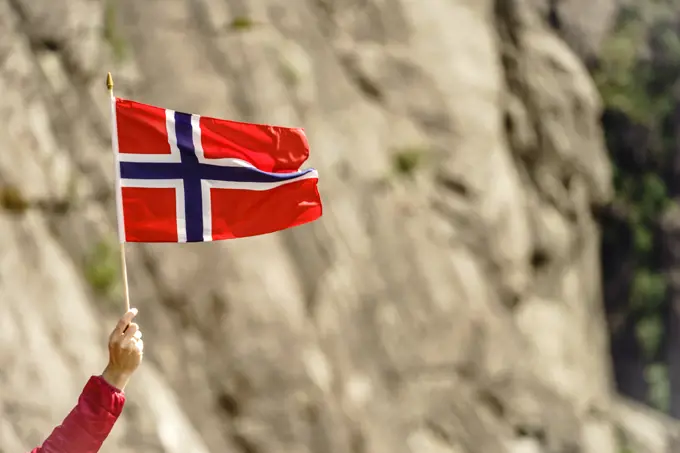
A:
[126,288]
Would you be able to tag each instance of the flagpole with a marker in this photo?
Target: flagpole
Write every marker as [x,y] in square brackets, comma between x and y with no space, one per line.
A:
[126,288]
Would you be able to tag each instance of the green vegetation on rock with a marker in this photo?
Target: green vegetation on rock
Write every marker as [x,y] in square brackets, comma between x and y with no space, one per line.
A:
[102,268]
[627,81]
[636,75]
[407,160]
[241,23]
[618,77]
[111,32]
[11,199]
[659,383]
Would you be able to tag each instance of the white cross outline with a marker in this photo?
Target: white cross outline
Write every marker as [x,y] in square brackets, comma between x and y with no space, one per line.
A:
[178,184]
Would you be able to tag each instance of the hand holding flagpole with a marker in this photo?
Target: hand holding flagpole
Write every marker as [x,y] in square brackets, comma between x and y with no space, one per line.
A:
[126,289]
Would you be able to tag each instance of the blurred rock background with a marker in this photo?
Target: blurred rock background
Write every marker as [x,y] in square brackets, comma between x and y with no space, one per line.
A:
[497,268]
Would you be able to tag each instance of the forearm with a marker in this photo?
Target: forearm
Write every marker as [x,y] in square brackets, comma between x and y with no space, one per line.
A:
[90,422]
[101,402]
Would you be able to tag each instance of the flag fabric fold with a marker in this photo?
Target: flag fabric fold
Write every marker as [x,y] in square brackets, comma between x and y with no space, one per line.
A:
[186,178]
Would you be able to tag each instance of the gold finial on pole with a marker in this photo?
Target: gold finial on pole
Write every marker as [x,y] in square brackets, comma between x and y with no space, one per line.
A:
[109,82]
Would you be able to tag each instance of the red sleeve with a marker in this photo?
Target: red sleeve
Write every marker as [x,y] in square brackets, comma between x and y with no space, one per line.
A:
[89,423]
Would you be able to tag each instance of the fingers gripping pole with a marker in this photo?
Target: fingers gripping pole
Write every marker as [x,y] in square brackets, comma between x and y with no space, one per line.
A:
[123,262]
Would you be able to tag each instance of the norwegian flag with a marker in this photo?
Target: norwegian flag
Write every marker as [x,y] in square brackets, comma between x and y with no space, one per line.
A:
[186,178]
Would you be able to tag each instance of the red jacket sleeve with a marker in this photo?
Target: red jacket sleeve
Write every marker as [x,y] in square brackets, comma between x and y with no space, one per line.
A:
[89,423]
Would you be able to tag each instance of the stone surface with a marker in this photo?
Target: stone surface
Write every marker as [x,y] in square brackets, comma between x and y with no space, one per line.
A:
[453,307]
[583,24]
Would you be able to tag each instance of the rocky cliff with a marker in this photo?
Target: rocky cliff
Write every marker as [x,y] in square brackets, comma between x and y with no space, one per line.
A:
[448,301]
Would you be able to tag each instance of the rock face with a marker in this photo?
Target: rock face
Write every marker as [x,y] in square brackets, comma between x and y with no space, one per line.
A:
[449,299]
[583,24]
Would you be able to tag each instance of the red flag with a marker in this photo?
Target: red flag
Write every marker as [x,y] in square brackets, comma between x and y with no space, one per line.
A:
[187,178]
